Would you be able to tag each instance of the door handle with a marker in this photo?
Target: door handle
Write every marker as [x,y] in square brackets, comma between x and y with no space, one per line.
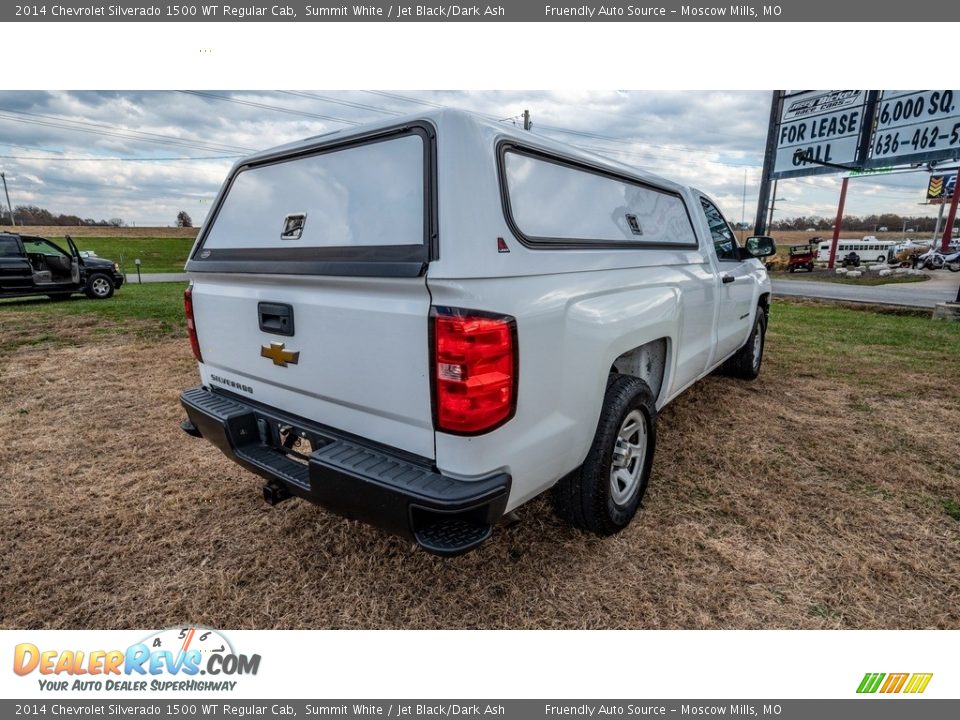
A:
[275,318]
[727,279]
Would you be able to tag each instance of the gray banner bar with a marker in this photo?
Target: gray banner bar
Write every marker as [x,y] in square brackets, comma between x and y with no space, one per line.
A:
[507,11]
[867,708]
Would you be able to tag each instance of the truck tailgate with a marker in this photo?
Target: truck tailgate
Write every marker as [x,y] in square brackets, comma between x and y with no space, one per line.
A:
[361,342]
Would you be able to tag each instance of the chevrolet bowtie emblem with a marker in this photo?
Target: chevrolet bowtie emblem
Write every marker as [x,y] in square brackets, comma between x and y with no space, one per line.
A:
[276,352]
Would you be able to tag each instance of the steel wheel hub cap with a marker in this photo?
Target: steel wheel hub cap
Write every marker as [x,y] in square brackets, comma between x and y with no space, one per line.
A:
[629,454]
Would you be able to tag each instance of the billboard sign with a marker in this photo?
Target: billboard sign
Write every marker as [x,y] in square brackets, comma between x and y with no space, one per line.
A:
[940,189]
[913,126]
[823,124]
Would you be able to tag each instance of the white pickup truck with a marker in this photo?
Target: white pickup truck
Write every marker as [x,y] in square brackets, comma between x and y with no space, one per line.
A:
[425,323]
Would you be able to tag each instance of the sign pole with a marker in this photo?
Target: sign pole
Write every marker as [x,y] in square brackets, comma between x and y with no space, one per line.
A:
[839,221]
[952,216]
[769,153]
[936,230]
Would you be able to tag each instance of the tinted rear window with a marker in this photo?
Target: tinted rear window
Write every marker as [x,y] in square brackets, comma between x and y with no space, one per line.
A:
[9,247]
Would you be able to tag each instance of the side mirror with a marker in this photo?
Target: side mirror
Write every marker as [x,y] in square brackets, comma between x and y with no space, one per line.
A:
[761,246]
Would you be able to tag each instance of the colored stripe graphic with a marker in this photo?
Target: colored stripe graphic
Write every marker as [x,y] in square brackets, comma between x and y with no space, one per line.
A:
[894,683]
[870,682]
[918,682]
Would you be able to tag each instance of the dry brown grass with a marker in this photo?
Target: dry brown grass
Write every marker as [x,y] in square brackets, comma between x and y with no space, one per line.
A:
[104,232]
[802,500]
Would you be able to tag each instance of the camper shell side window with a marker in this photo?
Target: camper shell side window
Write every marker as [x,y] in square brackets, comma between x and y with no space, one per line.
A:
[551,201]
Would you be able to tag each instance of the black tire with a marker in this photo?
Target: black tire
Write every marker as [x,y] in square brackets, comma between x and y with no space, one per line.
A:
[586,498]
[745,364]
[99,286]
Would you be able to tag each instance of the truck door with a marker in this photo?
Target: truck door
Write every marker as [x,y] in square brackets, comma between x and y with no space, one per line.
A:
[15,270]
[75,261]
[736,284]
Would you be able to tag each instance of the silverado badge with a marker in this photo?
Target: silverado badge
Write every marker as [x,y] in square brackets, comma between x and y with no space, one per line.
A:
[276,352]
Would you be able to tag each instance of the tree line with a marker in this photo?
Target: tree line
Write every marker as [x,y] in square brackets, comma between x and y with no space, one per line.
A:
[868,223]
[34,215]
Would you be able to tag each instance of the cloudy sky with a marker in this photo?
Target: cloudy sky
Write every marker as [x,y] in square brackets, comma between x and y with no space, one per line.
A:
[143,156]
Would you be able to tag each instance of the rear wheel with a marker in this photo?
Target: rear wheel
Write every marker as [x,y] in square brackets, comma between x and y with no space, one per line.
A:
[604,495]
[745,364]
[99,286]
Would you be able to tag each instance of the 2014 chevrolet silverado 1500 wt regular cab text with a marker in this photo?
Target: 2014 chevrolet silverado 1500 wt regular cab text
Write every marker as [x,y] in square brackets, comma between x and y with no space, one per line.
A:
[423,324]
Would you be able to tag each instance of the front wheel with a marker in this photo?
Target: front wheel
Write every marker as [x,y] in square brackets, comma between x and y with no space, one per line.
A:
[745,364]
[953,267]
[99,286]
[604,495]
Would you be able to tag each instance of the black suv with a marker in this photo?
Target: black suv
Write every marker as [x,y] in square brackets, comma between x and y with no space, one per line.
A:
[36,266]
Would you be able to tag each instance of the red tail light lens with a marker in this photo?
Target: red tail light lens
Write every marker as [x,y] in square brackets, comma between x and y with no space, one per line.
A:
[474,370]
[191,325]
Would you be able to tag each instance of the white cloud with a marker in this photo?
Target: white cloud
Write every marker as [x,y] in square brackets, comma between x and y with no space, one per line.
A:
[708,139]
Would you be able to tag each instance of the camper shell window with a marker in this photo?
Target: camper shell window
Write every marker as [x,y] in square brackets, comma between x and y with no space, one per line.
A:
[556,201]
[364,206]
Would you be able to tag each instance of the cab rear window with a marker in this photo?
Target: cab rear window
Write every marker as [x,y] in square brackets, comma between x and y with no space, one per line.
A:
[9,247]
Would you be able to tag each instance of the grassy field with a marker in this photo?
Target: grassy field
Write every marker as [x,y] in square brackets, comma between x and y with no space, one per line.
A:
[157,255]
[165,249]
[843,280]
[826,494]
[145,312]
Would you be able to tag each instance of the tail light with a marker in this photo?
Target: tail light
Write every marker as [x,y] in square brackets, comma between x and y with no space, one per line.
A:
[474,370]
[191,324]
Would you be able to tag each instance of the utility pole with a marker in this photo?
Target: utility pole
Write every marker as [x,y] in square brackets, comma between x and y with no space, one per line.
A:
[5,192]
[526,120]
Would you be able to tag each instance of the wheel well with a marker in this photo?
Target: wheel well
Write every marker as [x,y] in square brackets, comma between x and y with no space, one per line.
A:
[647,362]
[764,303]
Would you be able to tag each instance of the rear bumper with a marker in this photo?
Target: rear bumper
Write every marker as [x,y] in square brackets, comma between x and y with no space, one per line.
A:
[383,487]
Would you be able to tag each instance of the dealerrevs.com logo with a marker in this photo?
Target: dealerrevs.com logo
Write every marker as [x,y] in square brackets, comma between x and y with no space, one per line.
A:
[173,659]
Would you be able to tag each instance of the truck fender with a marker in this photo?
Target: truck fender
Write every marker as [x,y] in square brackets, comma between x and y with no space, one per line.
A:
[604,327]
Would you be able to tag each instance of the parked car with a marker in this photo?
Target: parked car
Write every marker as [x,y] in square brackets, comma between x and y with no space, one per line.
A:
[425,323]
[32,265]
